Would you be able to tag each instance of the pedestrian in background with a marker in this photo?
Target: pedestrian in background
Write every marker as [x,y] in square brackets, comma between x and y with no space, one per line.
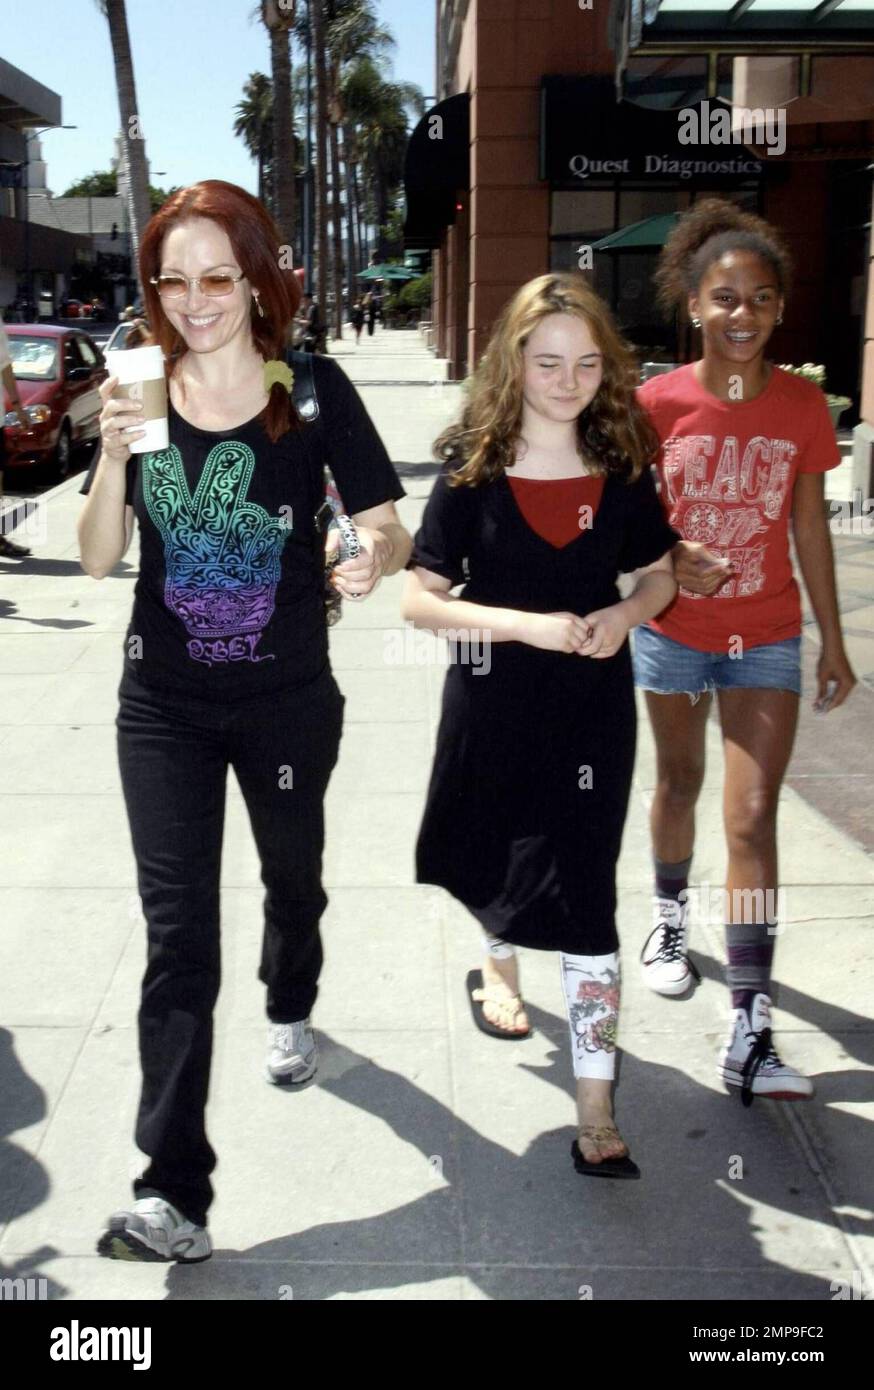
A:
[545,496]
[226,663]
[311,332]
[744,450]
[357,320]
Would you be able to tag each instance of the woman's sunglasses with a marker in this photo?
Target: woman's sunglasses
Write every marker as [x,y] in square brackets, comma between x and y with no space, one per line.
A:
[215,284]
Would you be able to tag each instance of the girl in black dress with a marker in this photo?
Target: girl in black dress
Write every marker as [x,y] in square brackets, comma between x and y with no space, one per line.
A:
[545,496]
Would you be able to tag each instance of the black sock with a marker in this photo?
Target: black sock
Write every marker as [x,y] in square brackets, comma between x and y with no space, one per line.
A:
[671,879]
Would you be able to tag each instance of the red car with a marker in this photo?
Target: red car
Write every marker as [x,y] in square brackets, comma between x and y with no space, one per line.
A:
[58,371]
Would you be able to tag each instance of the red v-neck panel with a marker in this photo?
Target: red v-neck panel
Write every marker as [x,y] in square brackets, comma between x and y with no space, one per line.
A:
[553,507]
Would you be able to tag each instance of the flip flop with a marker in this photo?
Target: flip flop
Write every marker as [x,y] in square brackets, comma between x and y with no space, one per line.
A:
[608,1167]
[478,995]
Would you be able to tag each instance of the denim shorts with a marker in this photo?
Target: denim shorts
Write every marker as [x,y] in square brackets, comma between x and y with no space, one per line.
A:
[671,668]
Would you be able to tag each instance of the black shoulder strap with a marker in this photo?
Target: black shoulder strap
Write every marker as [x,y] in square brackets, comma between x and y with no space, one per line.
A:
[303,392]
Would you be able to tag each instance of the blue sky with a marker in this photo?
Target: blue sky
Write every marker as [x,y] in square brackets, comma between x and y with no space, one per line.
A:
[191,60]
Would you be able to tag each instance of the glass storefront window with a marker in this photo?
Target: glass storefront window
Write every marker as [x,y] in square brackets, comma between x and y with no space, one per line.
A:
[635,204]
[590,213]
[624,278]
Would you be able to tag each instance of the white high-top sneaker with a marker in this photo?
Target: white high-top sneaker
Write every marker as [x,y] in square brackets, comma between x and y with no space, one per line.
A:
[750,1060]
[665,966]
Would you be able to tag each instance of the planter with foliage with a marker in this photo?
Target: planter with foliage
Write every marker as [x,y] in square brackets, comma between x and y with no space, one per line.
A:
[812,371]
[407,306]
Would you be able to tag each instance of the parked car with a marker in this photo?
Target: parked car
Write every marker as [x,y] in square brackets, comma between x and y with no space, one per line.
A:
[128,334]
[58,371]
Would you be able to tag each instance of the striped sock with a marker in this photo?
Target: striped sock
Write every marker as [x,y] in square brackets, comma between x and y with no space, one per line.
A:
[671,880]
[750,951]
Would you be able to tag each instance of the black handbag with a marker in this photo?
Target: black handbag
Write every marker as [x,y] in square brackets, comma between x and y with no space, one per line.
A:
[331,514]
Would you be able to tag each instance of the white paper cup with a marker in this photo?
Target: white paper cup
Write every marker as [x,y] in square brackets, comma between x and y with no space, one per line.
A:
[140,373]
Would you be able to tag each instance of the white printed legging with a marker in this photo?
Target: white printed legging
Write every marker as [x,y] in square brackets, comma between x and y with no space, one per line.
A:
[591,991]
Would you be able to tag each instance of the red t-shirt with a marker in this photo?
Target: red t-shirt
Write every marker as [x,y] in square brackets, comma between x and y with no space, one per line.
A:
[727,471]
[554,507]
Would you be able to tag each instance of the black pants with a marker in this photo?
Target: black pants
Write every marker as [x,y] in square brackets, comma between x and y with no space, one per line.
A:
[174,752]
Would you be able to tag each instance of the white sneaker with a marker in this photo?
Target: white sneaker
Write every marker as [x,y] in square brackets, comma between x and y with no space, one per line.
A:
[293,1056]
[749,1059]
[152,1229]
[665,966]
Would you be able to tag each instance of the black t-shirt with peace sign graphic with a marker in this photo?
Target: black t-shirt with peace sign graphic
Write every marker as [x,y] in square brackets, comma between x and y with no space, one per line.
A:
[229,601]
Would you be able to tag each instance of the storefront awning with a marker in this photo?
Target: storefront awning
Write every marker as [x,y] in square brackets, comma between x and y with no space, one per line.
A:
[648,235]
[24,101]
[436,170]
[671,53]
[741,25]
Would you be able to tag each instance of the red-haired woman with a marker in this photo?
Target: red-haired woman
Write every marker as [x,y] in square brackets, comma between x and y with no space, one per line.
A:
[546,495]
[226,662]
[744,449]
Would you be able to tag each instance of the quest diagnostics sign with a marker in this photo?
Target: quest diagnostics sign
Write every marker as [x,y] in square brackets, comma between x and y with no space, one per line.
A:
[586,134]
[583,166]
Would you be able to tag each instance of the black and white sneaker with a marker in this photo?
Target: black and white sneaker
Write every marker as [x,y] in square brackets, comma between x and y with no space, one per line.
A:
[152,1229]
[293,1057]
[10,550]
[750,1060]
[664,964]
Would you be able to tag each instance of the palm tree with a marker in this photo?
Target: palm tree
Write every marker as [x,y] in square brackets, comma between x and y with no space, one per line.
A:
[317,20]
[380,111]
[352,32]
[133,143]
[254,124]
[278,20]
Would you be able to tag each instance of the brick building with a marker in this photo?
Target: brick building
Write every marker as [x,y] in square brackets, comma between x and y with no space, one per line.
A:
[559,125]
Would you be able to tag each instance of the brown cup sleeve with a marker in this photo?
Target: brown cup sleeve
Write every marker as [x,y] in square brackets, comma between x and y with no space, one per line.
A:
[152,393]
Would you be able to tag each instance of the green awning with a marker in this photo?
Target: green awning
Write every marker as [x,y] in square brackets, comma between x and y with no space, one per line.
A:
[650,234]
[388,272]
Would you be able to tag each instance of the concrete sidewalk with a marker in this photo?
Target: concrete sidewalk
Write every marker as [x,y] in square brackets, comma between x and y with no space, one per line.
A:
[428,1162]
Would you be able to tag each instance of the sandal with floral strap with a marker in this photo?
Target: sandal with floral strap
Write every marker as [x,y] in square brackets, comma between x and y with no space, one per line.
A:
[608,1167]
[509,1006]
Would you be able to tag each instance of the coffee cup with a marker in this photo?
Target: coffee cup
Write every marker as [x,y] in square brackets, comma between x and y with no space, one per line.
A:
[140,373]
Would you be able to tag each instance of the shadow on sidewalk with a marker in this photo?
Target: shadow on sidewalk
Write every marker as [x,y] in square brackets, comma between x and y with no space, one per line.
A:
[853,1032]
[36,564]
[23,1104]
[530,1216]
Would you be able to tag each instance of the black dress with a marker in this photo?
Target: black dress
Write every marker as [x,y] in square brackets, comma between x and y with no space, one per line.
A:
[532,771]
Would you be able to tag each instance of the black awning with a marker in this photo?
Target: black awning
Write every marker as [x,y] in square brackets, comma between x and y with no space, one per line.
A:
[436,169]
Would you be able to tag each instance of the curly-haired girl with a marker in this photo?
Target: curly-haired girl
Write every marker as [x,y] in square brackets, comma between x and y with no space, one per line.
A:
[744,449]
[546,494]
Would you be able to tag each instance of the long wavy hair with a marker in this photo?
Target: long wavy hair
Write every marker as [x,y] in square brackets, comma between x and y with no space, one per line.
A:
[613,430]
[256,242]
[702,236]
